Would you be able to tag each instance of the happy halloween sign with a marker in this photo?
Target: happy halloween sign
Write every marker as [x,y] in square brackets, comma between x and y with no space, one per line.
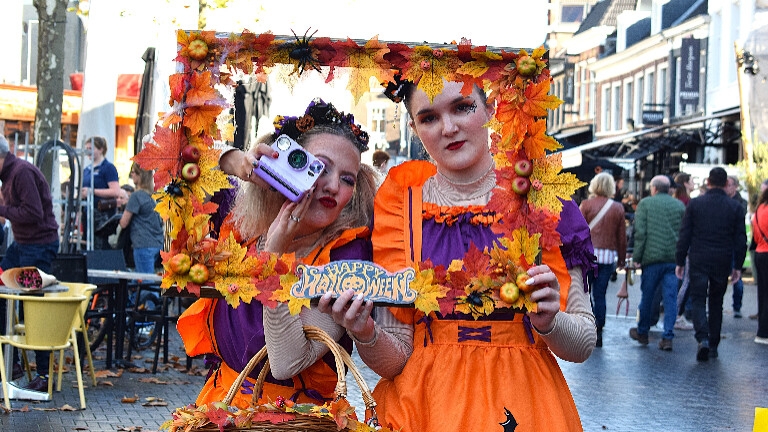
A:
[364,277]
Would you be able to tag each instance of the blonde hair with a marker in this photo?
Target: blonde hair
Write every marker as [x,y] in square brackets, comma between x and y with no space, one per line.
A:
[255,207]
[602,185]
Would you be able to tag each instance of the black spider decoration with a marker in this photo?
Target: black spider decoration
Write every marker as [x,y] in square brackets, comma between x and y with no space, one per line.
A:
[174,188]
[301,51]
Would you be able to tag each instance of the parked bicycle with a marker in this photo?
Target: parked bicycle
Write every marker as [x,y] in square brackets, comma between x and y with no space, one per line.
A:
[100,318]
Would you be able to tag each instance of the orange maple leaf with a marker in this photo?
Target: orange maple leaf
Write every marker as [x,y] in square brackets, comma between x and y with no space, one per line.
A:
[163,155]
[538,100]
[342,413]
[514,125]
[201,90]
[537,142]
[201,118]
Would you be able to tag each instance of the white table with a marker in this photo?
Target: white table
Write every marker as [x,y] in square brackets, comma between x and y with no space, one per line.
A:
[119,304]
[14,391]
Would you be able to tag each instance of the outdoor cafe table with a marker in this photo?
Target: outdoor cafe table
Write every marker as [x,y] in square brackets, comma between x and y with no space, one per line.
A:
[118,304]
[15,392]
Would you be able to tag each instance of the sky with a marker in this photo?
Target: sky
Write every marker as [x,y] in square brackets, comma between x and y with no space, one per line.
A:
[485,22]
[144,23]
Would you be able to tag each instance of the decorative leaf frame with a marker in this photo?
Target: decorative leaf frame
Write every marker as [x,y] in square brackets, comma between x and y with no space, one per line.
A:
[517,82]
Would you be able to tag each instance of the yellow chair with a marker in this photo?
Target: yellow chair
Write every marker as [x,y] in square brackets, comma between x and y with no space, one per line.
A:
[80,289]
[49,326]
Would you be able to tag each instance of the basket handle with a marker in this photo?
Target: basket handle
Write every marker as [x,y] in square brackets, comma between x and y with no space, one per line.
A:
[341,356]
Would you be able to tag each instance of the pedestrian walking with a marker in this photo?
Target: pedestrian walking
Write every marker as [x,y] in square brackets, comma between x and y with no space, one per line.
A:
[607,227]
[760,236]
[657,223]
[714,237]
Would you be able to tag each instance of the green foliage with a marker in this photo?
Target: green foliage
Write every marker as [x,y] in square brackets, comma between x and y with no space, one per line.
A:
[756,172]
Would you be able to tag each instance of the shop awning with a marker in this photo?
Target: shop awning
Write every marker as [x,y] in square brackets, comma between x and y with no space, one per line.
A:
[638,144]
[566,133]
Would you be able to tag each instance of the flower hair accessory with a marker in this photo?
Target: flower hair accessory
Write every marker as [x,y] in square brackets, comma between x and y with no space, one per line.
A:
[320,113]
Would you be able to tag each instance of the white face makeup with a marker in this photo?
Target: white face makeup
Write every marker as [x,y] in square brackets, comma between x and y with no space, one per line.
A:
[452,129]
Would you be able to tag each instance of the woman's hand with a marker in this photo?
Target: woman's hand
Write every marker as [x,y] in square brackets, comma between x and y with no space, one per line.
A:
[351,312]
[242,164]
[546,296]
[286,225]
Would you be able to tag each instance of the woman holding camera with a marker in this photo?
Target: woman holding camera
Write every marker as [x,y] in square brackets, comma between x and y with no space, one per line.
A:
[330,223]
[105,187]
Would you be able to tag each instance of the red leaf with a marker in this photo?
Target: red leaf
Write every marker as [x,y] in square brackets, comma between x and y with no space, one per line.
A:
[475,261]
[163,157]
[202,208]
[273,417]
[267,287]
[218,417]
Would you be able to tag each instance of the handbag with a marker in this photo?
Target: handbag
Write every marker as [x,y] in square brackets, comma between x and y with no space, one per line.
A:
[106,204]
[624,300]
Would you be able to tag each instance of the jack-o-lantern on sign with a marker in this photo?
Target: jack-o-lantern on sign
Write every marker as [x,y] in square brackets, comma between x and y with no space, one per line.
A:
[517,82]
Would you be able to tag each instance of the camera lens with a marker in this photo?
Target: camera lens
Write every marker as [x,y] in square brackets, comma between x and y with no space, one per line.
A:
[316,167]
[297,159]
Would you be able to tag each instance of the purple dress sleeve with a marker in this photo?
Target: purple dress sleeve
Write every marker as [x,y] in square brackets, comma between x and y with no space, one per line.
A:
[576,247]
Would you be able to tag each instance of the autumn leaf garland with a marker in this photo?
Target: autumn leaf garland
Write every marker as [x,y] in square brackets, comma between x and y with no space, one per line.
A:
[518,85]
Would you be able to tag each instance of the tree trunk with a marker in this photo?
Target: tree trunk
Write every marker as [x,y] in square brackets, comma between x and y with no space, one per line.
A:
[50,68]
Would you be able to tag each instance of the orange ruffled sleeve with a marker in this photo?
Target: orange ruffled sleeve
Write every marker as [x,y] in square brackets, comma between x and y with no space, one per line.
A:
[397,215]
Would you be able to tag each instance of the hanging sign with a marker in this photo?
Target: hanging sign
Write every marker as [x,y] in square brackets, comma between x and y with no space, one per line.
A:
[690,51]
[364,277]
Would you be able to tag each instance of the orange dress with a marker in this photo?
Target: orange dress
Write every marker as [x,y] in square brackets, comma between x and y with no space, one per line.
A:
[234,336]
[466,374]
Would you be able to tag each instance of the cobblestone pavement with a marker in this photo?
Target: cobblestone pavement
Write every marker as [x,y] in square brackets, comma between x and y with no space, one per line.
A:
[621,387]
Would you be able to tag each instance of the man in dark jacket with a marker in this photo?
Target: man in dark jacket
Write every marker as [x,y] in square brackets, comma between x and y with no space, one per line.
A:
[714,238]
[27,205]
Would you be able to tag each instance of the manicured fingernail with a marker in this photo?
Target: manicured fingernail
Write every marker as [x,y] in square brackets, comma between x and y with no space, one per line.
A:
[327,295]
[359,296]
[530,281]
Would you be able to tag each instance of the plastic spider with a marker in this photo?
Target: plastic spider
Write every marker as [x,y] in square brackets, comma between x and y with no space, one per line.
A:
[301,51]
[174,188]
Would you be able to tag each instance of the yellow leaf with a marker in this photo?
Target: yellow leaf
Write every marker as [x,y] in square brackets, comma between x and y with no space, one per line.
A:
[552,183]
[428,291]
[473,68]
[523,244]
[456,265]
[235,289]
[211,179]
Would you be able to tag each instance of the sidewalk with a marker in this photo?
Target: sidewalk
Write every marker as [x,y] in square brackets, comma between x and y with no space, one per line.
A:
[623,386]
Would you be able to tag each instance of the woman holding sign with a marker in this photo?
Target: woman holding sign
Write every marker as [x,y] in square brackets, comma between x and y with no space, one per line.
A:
[330,223]
[454,372]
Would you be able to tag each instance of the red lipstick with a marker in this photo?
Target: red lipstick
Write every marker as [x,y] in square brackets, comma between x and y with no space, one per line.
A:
[327,202]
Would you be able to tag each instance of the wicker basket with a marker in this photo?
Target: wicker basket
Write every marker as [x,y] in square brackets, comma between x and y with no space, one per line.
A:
[300,421]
